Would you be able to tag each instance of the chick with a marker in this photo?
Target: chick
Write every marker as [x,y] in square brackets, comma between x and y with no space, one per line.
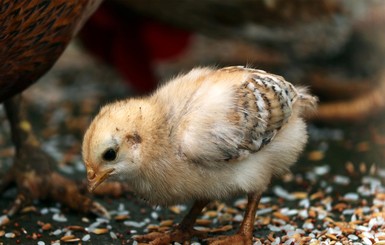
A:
[209,134]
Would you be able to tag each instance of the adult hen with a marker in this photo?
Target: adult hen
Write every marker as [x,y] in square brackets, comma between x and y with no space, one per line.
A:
[33,34]
[209,134]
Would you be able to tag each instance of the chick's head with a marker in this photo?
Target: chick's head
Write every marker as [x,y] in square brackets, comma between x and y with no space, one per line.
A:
[111,145]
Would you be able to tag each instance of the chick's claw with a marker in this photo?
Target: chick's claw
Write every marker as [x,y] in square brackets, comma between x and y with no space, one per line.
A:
[178,235]
[154,238]
[237,239]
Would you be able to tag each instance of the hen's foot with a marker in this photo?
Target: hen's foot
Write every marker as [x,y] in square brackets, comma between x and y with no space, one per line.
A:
[36,180]
[33,171]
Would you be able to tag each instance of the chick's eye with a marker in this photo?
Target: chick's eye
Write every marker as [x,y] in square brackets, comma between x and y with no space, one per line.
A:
[109,154]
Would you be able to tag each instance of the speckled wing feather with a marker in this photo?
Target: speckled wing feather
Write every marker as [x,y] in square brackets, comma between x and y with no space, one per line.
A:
[261,104]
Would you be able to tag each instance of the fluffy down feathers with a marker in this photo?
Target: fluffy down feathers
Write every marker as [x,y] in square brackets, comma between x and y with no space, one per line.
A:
[208,134]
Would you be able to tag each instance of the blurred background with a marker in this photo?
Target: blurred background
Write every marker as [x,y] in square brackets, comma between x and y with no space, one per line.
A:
[335,47]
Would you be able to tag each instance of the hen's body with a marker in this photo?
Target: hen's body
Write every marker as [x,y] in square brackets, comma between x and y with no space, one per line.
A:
[33,34]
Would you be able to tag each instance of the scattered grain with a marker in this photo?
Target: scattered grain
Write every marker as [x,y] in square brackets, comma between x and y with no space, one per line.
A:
[70,238]
[46,227]
[316,155]
[99,231]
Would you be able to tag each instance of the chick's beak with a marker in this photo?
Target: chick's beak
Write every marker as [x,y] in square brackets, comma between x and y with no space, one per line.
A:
[95,179]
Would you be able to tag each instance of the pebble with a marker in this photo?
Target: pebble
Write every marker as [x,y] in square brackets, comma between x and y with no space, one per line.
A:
[154,215]
[281,192]
[54,210]
[341,180]
[308,226]
[86,237]
[57,232]
[238,218]
[4,219]
[304,203]
[348,211]
[59,217]
[85,220]
[351,196]
[265,200]
[135,224]
[102,220]
[291,212]
[10,235]
[113,235]
[121,207]
[367,241]
[264,211]
[303,214]
[241,203]
[322,170]
[274,228]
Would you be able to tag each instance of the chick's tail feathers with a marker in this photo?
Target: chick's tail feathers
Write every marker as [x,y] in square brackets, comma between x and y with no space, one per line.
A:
[306,103]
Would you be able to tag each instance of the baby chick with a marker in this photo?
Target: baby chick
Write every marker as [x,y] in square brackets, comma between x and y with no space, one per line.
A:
[209,134]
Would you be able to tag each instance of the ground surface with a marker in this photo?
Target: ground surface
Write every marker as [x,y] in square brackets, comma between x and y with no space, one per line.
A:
[335,194]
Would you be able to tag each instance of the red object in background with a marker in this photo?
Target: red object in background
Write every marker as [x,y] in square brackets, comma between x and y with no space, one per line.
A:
[131,43]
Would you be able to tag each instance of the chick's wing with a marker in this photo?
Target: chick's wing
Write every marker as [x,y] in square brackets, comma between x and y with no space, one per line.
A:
[227,114]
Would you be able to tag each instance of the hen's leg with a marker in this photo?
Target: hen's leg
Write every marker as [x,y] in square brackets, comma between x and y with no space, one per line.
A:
[183,232]
[33,169]
[6,180]
[245,233]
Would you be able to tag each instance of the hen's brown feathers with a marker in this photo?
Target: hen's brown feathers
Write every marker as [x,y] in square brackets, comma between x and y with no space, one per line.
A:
[33,34]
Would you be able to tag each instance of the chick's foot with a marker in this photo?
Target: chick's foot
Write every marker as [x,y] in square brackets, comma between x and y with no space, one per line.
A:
[245,233]
[34,174]
[178,235]
[237,239]
[183,232]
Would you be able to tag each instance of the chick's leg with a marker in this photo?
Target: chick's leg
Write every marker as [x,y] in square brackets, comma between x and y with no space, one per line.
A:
[245,234]
[183,232]
[33,169]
